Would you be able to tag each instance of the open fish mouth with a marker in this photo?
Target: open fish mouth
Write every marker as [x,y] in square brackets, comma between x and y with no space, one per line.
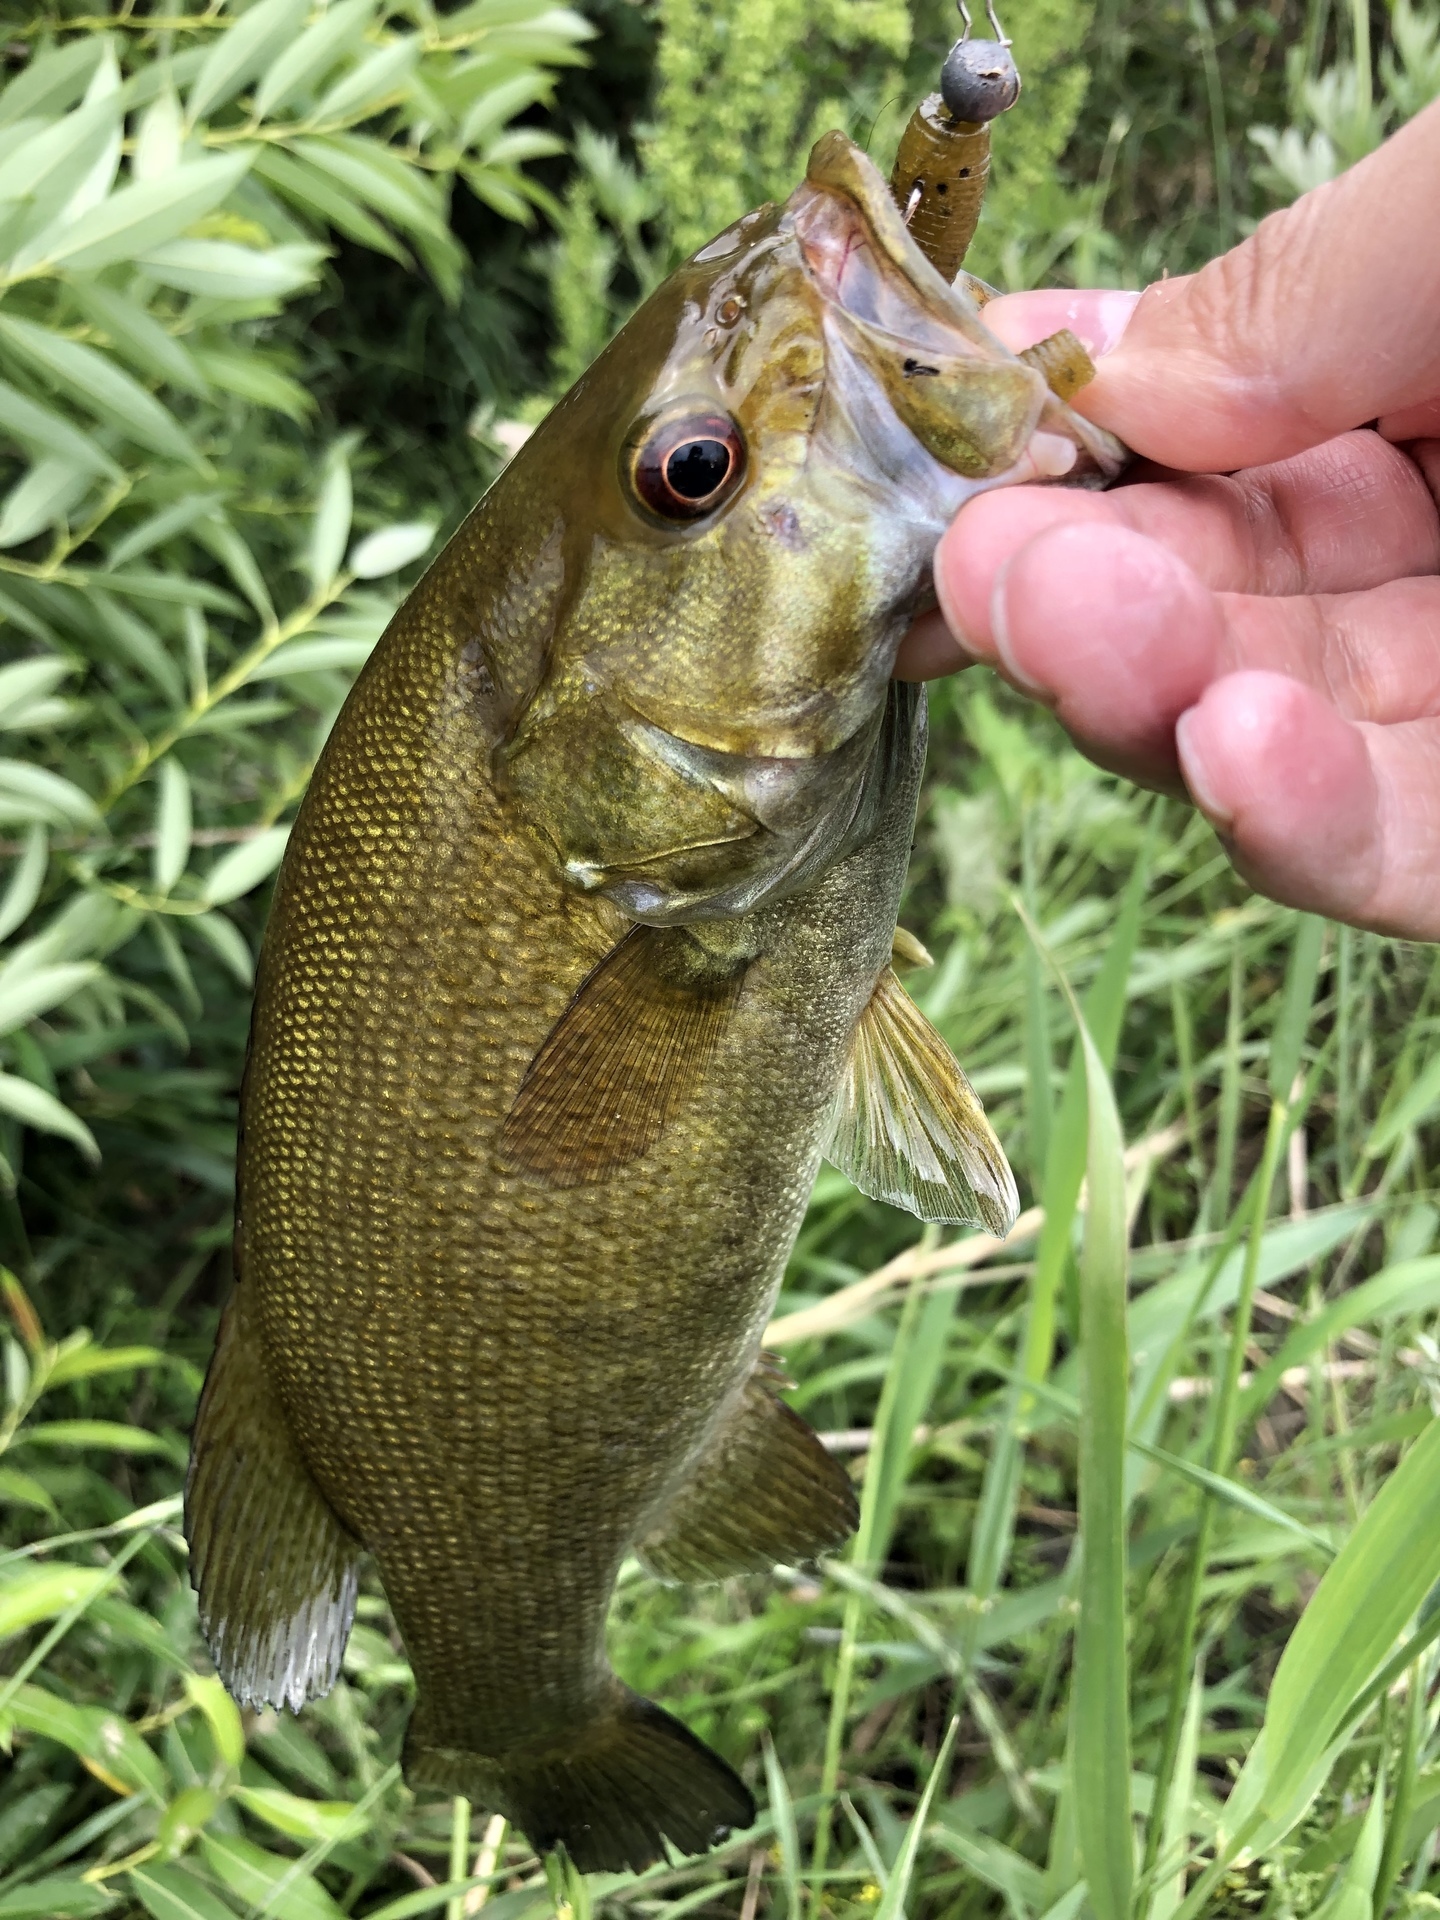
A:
[975,407]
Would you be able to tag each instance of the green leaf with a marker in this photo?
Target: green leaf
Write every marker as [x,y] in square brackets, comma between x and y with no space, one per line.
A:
[44,498]
[49,434]
[99,385]
[173,1893]
[222,1716]
[39,176]
[315,656]
[1411,1286]
[159,137]
[245,866]
[25,883]
[1351,1898]
[216,532]
[502,103]
[227,942]
[172,589]
[172,824]
[391,548]
[28,992]
[34,793]
[178,517]
[254,377]
[782,1812]
[243,53]
[137,219]
[52,81]
[37,1108]
[1373,1587]
[137,335]
[300,1819]
[306,188]
[137,642]
[1413,1107]
[87,1362]
[26,681]
[892,1902]
[96,1735]
[31,1593]
[311,57]
[225,270]
[22,1489]
[257,1876]
[331,527]
[1101,1699]
[1293,1018]
[56,1899]
[109,1434]
[381,179]
[100,176]
[376,79]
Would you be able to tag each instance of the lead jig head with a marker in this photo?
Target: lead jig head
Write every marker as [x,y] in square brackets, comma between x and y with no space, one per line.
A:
[944,156]
[979,79]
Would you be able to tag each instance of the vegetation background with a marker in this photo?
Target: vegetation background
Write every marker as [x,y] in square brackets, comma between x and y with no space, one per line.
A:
[279,286]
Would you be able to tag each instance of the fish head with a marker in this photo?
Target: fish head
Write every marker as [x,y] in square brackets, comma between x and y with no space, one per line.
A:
[735,510]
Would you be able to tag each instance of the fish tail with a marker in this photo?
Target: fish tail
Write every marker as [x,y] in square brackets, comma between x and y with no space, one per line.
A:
[610,1793]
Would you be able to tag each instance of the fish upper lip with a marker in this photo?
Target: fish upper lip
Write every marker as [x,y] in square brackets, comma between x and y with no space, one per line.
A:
[862,258]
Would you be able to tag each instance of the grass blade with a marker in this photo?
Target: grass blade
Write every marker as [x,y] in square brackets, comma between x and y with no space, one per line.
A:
[892,1904]
[782,1812]
[1377,1581]
[1102,1682]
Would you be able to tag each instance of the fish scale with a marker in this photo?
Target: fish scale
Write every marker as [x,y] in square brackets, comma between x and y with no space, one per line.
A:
[578,962]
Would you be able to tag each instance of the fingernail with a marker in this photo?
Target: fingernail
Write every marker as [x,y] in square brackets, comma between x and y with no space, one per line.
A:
[1198,777]
[1106,322]
[1000,630]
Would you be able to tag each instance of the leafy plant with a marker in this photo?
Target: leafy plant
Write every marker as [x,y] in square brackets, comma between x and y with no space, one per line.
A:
[162,196]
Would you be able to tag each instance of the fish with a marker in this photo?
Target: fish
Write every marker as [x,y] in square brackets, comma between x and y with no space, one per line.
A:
[579,962]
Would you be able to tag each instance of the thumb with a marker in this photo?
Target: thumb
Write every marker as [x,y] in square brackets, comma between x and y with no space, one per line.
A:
[1322,320]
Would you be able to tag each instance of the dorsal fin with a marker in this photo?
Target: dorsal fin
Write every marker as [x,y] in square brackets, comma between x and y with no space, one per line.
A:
[909,1128]
[621,1060]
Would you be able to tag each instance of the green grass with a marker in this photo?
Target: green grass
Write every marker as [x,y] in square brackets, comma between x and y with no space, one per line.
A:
[1047,1532]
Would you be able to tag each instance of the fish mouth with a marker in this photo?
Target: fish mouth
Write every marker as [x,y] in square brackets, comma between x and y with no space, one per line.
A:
[974,406]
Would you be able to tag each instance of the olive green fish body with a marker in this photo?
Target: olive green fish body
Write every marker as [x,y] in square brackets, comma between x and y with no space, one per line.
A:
[578,962]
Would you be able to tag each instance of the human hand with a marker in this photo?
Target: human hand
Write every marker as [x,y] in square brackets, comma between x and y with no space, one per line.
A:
[1267,641]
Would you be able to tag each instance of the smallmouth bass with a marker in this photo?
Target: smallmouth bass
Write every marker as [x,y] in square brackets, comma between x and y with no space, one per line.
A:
[579,961]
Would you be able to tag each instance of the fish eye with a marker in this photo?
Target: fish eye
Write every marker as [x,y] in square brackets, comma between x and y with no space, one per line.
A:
[688,465]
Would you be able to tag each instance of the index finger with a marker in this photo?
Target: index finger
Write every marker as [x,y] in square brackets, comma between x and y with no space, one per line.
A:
[1323,319]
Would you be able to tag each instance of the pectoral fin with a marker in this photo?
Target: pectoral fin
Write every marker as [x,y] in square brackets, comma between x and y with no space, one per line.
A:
[766,1490]
[909,1128]
[621,1060]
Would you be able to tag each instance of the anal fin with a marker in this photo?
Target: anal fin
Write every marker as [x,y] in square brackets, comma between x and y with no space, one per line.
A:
[765,1491]
[275,1570]
[909,1127]
[618,1064]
